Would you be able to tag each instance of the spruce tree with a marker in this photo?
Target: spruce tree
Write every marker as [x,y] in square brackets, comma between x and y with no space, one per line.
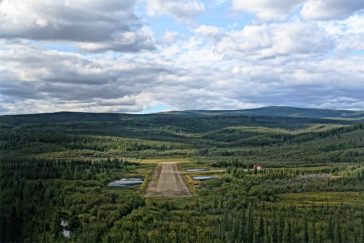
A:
[338,233]
[331,230]
[305,236]
[260,233]
[266,233]
[250,226]
[274,231]
[314,233]
[362,222]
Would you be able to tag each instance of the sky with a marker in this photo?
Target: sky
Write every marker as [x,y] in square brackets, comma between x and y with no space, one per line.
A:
[142,56]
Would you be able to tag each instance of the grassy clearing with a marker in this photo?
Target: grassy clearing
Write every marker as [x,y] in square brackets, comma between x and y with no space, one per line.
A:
[331,198]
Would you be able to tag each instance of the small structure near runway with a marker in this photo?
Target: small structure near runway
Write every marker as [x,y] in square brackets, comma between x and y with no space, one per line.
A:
[258,167]
[127,182]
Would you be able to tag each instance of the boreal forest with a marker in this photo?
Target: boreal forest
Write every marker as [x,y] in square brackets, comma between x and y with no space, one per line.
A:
[276,174]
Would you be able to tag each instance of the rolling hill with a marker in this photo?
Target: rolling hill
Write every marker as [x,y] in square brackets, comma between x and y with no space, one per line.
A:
[58,166]
[285,111]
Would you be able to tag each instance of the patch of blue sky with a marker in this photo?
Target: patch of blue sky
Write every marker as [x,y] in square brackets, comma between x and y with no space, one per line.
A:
[219,14]
[294,14]
[155,109]
[358,53]
[140,9]
[216,13]
[161,24]
[56,46]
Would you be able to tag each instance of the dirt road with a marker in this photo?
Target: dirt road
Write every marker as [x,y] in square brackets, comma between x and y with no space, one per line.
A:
[167,182]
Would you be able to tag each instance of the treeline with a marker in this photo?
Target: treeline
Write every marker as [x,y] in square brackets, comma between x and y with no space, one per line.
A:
[14,138]
[289,225]
[328,179]
[33,169]
[21,142]
[264,137]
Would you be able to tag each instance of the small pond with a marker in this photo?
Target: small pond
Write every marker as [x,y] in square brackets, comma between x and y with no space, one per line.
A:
[126,182]
[203,178]
[197,170]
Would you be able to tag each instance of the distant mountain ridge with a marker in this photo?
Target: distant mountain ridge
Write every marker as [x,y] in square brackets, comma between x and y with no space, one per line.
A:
[269,111]
[172,125]
[285,111]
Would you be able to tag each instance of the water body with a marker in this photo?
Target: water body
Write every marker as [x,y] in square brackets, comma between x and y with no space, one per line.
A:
[197,170]
[126,182]
[203,178]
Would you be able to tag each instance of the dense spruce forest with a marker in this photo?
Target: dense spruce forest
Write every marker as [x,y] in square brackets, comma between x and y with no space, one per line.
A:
[56,167]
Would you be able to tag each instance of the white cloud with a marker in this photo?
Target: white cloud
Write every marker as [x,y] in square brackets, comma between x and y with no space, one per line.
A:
[128,41]
[73,81]
[181,10]
[349,33]
[208,30]
[354,24]
[269,40]
[96,23]
[330,9]
[304,60]
[169,37]
[34,80]
[266,9]
[309,9]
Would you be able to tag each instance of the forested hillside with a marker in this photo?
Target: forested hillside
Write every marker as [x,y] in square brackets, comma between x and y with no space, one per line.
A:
[57,166]
[292,112]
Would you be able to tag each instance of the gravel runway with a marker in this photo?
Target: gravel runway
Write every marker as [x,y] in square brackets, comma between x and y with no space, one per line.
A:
[167,182]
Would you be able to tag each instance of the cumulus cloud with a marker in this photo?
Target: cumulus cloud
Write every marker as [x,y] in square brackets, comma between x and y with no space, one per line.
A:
[309,9]
[208,30]
[244,84]
[349,33]
[303,60]
[269,40]
[181,10]
[330,9]
[170,37]
[95,25]
[266,9]
[34,80]
[73,79]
